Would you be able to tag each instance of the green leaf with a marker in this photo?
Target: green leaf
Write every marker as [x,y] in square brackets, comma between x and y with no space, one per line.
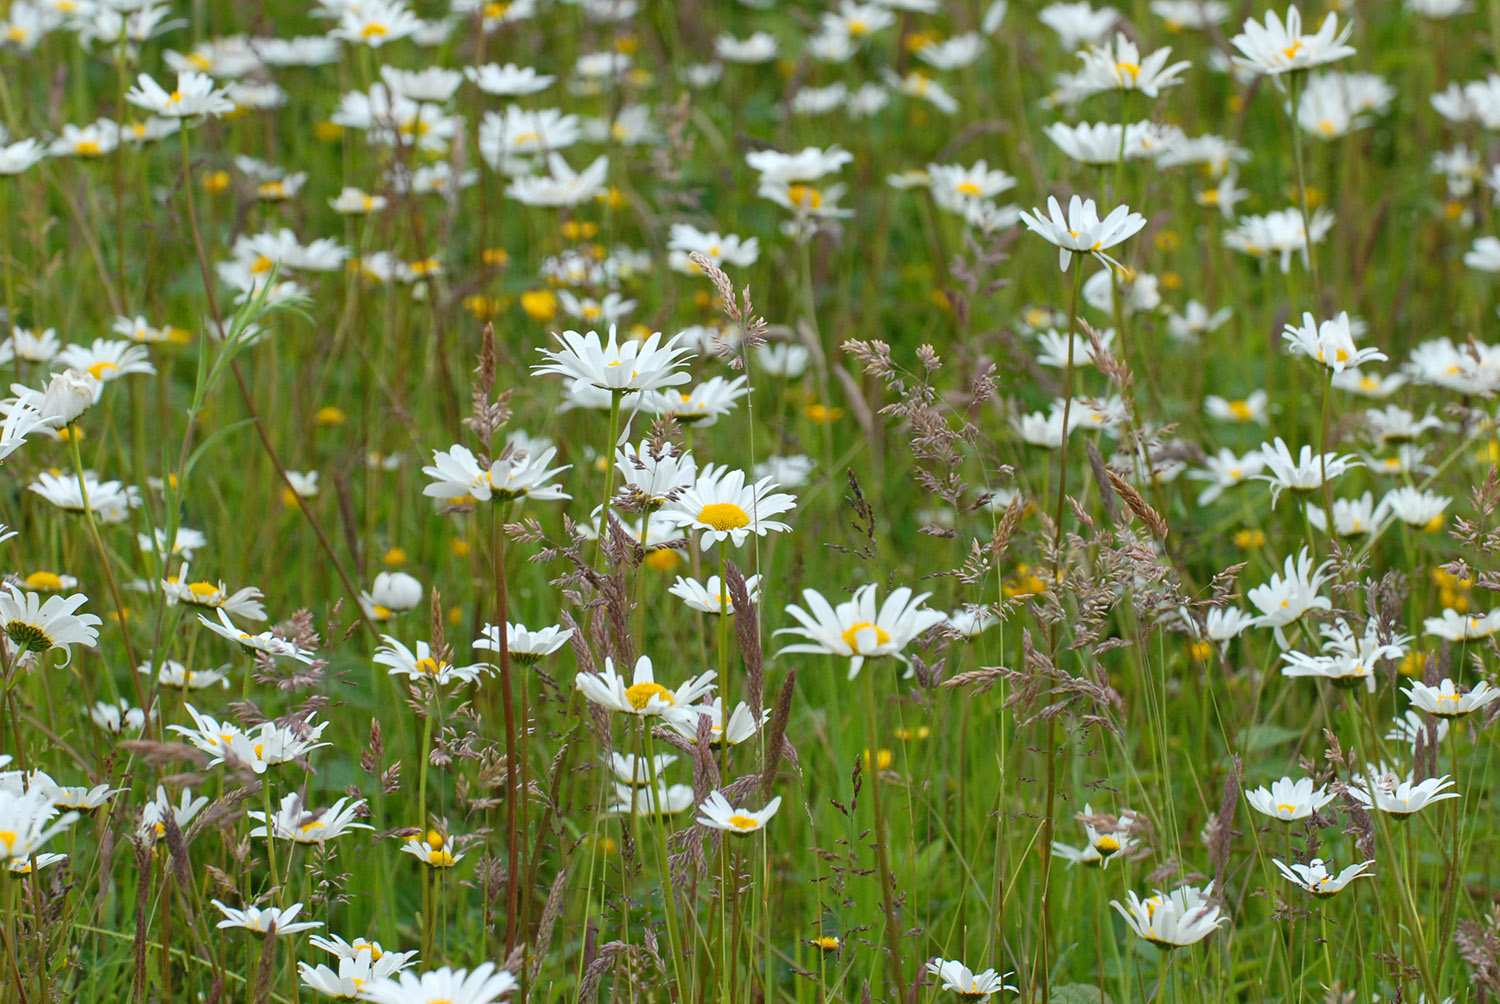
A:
[1262,737]
[1079,993]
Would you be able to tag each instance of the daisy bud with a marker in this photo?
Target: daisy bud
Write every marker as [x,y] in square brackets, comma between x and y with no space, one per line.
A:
[396,591]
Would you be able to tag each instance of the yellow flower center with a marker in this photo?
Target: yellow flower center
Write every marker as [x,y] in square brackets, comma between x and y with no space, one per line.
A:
[1106,845]
[723,516]
[98,370]
[373,30]
[1131,70]
[46,581]
[1290,52]
[174,97]
[740,822]
[202,590]
[805,196]
[8,838]
[640,695]
[1240,410]
[851,636]
[87,148]
[309,827]
[429,666]
[1284,807]
[967,187]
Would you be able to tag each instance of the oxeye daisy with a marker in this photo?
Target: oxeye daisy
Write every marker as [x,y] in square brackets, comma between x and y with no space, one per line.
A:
[856,629]
[742,722]
[717,813]
[1316,878]
[36,626]
[724,507]
[270,920]
[152,827]
[422,664]
[1399,798]
[642,695]
[1289,800]
[483,985]
[295,823]
[1081,231]
[1108,836]
[353,974]
[1304,473]
[968,985]
[617,367]
[524,646]
[213,596]
[266,642]
[1446,701]
[1278,46]
[711,597]
[435,849]
[194,95]
[1330,342]
[27,821]
[1184,917]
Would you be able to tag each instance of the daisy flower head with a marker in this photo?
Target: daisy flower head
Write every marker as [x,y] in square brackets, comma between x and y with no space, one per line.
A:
[422,664]
[1289,800]
[1107,838]
[637,771]
[1347,658]
[1303,474]
[194,96]
[354,972]
[458,474]
[741,726]
[1250,408]
[271,920]
[1416,507]
[66,397]
[29,819]
[645,365]
[1446,701]
[1184,917]
[1118,66]
[267,642]
[37,626]
[1383,789]
[1455,626]
[1288,595]
[721,505]
[1330,342]
[711,597]
[244,603]
[856,629]
[152,828]
[971,987]
[1081,231]
[1317,879]
[660,801]
[523,645]
[1279,234]
[1356,517]
[642,695]
[295,823]
[1276,46]
[435,849]
[717,813]
[653,473]
[485,984]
